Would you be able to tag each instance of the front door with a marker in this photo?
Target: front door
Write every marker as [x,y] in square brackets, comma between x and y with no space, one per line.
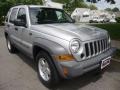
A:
[24,31]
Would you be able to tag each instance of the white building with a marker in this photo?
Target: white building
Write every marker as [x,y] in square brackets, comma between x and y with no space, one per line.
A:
[85,15]
[50,3]
[81,14]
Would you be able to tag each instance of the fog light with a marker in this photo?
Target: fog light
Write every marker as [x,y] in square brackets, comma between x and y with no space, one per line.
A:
[65,71]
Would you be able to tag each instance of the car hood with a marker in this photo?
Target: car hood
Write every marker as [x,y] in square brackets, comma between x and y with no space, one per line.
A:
[69,31]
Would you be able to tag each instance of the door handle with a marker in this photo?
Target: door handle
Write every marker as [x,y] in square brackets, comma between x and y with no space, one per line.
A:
[16,29]
[30,34]
[8,25]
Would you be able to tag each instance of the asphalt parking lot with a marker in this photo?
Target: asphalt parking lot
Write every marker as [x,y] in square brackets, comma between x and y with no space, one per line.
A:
[17,72]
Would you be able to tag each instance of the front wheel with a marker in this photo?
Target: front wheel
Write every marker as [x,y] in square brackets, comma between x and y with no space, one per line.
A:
[46,69]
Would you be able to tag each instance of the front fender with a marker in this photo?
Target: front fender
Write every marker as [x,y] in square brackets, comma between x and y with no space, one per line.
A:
[52,47]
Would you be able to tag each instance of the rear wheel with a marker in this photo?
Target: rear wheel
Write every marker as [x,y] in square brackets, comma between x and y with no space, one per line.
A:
[46,70]
[10,47]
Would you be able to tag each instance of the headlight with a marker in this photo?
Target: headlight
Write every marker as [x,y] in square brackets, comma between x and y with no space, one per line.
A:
[74,46]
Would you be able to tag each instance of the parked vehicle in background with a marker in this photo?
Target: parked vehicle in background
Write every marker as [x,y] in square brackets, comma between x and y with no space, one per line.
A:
[94,20]
[99,20]
[103,20]
[59,47]
[112,21]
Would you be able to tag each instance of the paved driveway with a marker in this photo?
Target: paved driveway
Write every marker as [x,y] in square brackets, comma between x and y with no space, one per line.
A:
[116,44]
[17,72]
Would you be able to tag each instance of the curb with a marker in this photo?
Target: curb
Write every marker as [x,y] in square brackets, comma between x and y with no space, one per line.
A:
[116,60]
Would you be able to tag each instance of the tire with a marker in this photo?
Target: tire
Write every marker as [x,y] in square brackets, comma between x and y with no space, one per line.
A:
[47,72]
[10,46]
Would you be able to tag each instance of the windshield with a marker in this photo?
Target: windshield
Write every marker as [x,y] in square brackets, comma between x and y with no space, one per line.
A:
[48,15]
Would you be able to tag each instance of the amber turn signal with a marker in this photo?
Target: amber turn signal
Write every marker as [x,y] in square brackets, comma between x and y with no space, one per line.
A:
[65,57]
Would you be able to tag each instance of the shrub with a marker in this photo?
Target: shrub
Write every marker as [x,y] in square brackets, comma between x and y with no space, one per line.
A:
[118,19]
[1,20]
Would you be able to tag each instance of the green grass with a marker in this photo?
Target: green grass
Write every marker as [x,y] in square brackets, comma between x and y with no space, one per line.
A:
[117,55]
[113,29]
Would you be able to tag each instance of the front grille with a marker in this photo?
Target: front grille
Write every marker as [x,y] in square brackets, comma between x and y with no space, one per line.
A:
[96,47]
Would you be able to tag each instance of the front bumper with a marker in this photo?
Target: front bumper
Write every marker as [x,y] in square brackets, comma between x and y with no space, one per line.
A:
[76,68]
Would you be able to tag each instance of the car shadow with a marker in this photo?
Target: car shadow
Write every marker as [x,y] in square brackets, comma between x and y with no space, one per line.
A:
[114,67]
[27,60]
[79,82]
[67,84]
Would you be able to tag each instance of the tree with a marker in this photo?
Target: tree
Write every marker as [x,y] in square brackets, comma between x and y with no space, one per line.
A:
[6,4]
[115,9]
[95,1]
[70,5]
[77,3]
[92,7]
[108,9]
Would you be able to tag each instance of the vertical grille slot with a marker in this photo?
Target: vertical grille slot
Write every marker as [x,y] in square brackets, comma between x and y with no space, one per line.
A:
[107,44]
[99,46]
[95,47]
[91,48]
[103,44]
[87,49]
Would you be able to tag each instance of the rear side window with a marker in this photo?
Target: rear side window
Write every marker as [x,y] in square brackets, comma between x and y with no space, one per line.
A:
[13,15]
[7,16]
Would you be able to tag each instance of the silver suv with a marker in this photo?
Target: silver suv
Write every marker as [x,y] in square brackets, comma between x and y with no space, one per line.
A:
[60,47]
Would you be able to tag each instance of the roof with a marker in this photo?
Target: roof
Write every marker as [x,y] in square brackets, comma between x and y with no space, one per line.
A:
[117,14]
[81,9]
[41,6]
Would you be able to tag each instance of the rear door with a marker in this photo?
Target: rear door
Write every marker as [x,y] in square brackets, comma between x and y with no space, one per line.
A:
[10,27]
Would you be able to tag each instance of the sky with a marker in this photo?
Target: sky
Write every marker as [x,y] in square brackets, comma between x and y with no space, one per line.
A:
[103,4]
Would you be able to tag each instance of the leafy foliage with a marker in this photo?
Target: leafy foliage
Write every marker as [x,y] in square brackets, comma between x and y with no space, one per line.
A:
[70,4]
[115,9]
[108,9]
[109,1]
[6,4]
[93,7]
[113,29]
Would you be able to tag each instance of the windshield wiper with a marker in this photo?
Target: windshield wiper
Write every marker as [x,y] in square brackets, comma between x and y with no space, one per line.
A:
[65,21]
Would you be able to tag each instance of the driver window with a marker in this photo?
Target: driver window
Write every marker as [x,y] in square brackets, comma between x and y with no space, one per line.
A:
[22,15]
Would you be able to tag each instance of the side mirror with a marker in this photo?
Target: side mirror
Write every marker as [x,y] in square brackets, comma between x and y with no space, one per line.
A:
[18,22]
[3,23]
[73,20]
